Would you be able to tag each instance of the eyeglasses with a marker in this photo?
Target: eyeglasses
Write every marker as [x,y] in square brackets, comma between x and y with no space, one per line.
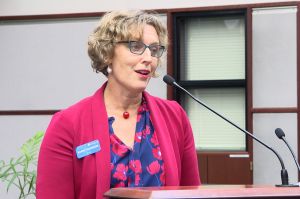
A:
[138,47]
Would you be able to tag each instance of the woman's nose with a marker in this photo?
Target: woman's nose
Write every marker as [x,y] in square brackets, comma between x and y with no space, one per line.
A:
[147,54]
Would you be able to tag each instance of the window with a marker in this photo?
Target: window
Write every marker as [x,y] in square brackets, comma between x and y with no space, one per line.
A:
[211,64]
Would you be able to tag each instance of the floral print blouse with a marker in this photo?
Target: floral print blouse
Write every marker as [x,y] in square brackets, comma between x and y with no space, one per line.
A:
[142,165]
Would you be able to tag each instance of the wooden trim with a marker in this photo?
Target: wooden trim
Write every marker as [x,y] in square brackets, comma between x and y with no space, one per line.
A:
[298,81]
[275,110]
[217,167]
[50,16]
[202,167]
[209,8]
[275,4]
[249,79]
[61,16]
[28,112]
[206,192]
[170,63]
[234,7]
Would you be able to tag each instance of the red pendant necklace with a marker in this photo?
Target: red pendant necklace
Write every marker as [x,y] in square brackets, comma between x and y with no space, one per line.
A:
[125,115]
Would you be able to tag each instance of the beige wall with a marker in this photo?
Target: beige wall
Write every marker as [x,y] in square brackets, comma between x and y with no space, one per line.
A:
[274,86]
[33,7]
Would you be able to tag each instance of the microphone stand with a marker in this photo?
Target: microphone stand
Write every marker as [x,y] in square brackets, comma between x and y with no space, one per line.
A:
[284,173]
[281,135]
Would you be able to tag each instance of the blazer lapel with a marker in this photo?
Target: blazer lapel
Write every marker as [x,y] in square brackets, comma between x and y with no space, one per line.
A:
[163,136]
[100,130]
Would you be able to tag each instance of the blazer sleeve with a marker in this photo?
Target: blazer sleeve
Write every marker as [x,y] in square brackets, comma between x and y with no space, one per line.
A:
[190,171]
[55,163]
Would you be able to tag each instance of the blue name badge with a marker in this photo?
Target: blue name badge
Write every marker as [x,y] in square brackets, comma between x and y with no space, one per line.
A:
[87,149]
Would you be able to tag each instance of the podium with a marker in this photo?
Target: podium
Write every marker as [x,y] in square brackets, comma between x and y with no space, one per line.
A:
[207,191]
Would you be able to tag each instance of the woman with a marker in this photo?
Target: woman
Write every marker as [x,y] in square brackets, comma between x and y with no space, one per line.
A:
[120,136]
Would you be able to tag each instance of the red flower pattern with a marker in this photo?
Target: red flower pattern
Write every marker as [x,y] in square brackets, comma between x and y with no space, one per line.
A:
[153,168]
[156,153]
[121,171]
[136,166]
[146,131]
[126,166]
[117,148]
[137,179]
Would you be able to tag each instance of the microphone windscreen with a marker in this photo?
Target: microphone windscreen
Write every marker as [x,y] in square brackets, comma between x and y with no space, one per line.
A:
[279,132]
[169,80]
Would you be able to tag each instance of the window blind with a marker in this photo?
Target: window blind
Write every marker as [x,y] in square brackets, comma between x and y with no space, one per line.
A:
[213,48]
[210,131]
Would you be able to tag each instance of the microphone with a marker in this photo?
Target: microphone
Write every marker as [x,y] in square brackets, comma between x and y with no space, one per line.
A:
[284,173]
[281,135]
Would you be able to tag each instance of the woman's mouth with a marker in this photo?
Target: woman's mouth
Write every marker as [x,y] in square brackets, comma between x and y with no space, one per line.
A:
[143,73]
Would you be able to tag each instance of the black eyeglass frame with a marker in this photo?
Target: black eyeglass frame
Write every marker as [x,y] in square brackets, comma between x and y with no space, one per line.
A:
[160,51]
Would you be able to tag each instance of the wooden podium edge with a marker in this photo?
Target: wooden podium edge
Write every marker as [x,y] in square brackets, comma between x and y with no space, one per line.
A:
[206,191]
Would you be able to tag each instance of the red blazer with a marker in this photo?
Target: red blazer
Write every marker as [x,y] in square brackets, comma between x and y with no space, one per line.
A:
[61,175]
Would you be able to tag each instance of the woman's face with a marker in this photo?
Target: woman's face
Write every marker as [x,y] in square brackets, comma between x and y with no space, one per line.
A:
[130,71]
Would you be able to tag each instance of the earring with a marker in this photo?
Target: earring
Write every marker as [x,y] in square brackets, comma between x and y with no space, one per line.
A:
[108,70]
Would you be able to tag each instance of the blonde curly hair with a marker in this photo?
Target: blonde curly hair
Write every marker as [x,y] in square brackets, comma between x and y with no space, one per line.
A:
[117,26]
